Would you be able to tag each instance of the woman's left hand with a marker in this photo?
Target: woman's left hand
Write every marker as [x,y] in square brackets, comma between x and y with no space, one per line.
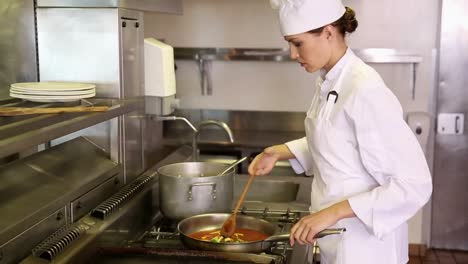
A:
[305,230]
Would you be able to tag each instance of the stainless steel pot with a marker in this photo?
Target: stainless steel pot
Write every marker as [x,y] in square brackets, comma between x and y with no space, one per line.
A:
[191,188]
[215,221]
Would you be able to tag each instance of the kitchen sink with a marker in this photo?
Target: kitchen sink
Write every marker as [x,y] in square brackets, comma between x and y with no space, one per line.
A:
[282,186]
[274,191]
[282,168]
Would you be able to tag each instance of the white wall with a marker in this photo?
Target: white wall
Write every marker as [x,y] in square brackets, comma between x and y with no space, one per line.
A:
[252,23]
[409,25]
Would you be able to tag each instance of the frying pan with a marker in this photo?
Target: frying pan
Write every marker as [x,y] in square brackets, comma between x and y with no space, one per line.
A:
[215,221]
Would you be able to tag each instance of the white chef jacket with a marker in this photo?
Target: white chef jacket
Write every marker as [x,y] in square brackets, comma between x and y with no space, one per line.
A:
[360,149]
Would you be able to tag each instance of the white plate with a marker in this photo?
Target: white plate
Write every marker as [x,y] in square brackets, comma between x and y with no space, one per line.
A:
[53,86]
[51,93]
[50,99]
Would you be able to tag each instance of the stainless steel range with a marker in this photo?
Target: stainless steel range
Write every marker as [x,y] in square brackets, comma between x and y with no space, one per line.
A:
[128,227]
[161,244]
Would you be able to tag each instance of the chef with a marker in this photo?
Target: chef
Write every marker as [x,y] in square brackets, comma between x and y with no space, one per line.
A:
[370,174]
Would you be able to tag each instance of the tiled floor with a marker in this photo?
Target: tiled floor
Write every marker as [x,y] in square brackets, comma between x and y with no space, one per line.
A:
[436,256]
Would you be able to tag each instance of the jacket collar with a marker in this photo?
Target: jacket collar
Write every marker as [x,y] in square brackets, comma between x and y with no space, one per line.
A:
[327,80]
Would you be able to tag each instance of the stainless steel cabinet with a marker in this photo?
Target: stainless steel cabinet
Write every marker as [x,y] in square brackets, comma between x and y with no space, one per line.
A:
[17,44]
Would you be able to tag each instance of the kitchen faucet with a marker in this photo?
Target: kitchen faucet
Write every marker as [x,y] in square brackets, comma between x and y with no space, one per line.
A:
[209,123]
[196,131]
[173,118]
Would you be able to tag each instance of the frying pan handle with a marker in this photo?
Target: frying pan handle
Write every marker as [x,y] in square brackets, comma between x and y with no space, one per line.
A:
[277,238]
[331,231]
[326,232]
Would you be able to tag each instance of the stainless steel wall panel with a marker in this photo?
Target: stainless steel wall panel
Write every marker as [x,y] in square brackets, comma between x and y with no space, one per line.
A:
[450,210]
[133,153]
[131,53]
[132,85]
[103,46]
[17,44]
[80,45]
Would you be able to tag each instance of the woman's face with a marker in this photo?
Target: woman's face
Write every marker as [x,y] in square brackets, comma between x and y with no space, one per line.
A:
[311,50]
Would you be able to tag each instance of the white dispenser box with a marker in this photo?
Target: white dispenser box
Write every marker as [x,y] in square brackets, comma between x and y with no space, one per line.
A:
[160,81]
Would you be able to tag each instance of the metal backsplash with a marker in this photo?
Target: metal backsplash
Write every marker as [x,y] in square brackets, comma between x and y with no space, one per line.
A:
[18,61]
[243,120]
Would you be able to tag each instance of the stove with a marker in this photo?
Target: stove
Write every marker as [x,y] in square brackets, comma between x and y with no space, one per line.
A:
[129,228]
[161,244]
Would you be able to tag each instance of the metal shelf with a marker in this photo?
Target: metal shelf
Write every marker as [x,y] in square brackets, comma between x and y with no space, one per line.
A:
[22,132]
[371,55]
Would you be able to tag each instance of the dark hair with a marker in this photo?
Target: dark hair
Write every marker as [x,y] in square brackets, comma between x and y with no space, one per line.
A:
[345,24]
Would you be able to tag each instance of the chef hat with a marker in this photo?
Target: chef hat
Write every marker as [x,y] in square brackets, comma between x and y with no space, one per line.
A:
[299,16]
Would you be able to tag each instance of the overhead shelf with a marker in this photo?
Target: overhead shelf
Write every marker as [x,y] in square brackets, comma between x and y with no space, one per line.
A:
[371,55]
[20,133]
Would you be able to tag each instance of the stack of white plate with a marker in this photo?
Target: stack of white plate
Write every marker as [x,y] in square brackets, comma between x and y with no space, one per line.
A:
[47,92]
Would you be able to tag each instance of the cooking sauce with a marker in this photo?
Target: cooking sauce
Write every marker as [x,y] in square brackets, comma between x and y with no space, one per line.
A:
[241,235]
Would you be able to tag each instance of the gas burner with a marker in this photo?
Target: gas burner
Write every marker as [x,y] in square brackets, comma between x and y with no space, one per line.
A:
[165,225]
[163,238]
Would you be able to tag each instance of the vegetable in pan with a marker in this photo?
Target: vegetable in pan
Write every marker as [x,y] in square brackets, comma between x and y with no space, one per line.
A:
[240,236]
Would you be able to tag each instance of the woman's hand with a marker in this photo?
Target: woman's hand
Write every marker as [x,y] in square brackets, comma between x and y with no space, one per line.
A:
[265,161]
[305,230]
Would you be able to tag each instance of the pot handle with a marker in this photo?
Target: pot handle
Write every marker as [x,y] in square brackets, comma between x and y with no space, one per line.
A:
[213,189]
[326,232]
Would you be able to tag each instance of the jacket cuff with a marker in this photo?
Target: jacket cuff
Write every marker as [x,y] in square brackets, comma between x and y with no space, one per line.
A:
[362,207]
[303,161]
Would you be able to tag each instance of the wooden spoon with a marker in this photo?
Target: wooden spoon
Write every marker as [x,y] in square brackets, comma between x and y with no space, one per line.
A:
[229,226]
